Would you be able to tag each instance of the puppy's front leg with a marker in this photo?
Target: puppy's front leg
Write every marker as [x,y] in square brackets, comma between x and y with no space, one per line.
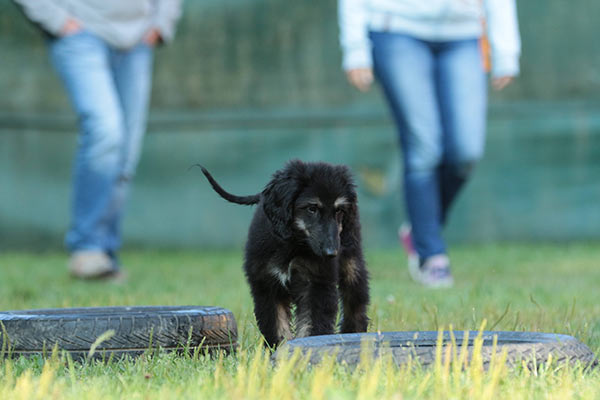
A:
[316,310]
[272,314]
[354,288]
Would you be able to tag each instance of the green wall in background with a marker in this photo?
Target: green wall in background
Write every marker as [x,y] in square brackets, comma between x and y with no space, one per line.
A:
[249,84]
[263,53]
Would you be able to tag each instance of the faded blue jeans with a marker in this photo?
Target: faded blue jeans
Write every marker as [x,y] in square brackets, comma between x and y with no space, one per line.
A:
[109,90]
[437,92]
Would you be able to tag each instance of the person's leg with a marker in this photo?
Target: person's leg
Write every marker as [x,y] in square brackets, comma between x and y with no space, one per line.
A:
[462,90]
[405,67]
[82,61]
[132,71]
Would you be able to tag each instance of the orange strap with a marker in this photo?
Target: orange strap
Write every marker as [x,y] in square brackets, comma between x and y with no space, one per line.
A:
[486,49]
[486,53]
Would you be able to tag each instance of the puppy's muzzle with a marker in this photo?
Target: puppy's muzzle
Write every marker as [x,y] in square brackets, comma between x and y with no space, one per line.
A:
[331,246]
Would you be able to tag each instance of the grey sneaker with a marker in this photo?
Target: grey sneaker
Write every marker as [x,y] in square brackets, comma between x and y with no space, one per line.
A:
[93,264]
[435,272]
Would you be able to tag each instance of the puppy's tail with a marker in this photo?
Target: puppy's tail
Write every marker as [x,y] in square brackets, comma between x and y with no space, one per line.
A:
[246,200]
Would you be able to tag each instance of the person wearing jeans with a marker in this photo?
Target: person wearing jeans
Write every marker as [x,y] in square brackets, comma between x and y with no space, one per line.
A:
[428,58]
[103,53]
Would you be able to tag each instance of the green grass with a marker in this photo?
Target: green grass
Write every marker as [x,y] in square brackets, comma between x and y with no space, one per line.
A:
[541,287]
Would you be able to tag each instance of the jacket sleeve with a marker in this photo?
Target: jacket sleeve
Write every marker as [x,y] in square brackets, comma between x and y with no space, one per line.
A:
[503,33]
[166,15]
[354,38]
[45,13]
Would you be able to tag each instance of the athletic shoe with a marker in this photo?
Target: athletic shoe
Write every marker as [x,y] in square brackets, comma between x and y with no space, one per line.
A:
[435,272]
[94,264]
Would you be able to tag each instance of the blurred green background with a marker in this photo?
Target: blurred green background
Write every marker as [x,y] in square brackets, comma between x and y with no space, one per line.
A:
[249,84]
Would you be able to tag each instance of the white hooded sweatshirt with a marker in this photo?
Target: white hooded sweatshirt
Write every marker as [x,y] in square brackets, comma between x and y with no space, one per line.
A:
[431,20]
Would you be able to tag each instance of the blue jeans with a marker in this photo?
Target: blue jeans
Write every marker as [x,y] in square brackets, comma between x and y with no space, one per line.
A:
[437,93]
[109,90]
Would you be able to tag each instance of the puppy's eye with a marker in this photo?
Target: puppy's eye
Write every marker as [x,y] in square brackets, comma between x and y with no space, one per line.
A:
[339,214]
[312,209]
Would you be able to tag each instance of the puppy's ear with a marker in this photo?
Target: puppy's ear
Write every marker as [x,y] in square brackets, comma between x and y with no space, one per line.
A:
[278,202]
[350,235]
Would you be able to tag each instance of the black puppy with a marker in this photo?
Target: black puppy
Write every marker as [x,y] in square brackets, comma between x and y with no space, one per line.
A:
[303,244]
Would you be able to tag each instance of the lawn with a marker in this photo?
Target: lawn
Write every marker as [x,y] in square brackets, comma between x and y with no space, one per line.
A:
[535,287]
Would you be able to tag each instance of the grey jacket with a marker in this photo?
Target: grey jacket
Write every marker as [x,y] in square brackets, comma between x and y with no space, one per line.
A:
[122,23]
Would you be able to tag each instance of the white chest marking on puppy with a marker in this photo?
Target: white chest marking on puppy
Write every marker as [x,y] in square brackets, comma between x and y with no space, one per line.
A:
[283,277]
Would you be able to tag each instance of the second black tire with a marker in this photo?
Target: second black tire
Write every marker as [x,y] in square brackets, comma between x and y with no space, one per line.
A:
[531,347]
[135,329]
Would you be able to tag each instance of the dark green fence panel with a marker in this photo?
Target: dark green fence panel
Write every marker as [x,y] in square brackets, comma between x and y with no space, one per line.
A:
[249,84]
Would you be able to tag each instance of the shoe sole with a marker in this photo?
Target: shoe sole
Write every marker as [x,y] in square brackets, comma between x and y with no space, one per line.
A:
[113,276]
[443,284]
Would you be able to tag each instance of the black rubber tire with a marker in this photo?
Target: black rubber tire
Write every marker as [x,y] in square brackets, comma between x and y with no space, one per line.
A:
[420,346]
[136,329]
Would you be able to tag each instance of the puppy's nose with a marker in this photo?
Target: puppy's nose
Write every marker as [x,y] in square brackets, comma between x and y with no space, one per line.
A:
[331,252]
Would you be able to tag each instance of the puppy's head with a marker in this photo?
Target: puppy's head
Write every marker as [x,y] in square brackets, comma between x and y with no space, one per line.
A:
[314,203]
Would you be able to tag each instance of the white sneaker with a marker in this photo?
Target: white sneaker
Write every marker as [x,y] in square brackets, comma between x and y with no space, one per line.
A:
[90,264]
[435,272]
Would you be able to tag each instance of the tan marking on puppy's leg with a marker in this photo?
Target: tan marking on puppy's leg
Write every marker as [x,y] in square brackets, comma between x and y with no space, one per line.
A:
[283,322]
[303,316]
[303,324]
[350,271]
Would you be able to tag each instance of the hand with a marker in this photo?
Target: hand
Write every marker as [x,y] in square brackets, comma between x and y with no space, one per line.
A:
[360,78]
[152,37]
[70,27]
[501,82]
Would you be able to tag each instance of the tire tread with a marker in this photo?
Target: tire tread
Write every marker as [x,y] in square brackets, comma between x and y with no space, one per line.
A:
[136,329]
[420,346]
